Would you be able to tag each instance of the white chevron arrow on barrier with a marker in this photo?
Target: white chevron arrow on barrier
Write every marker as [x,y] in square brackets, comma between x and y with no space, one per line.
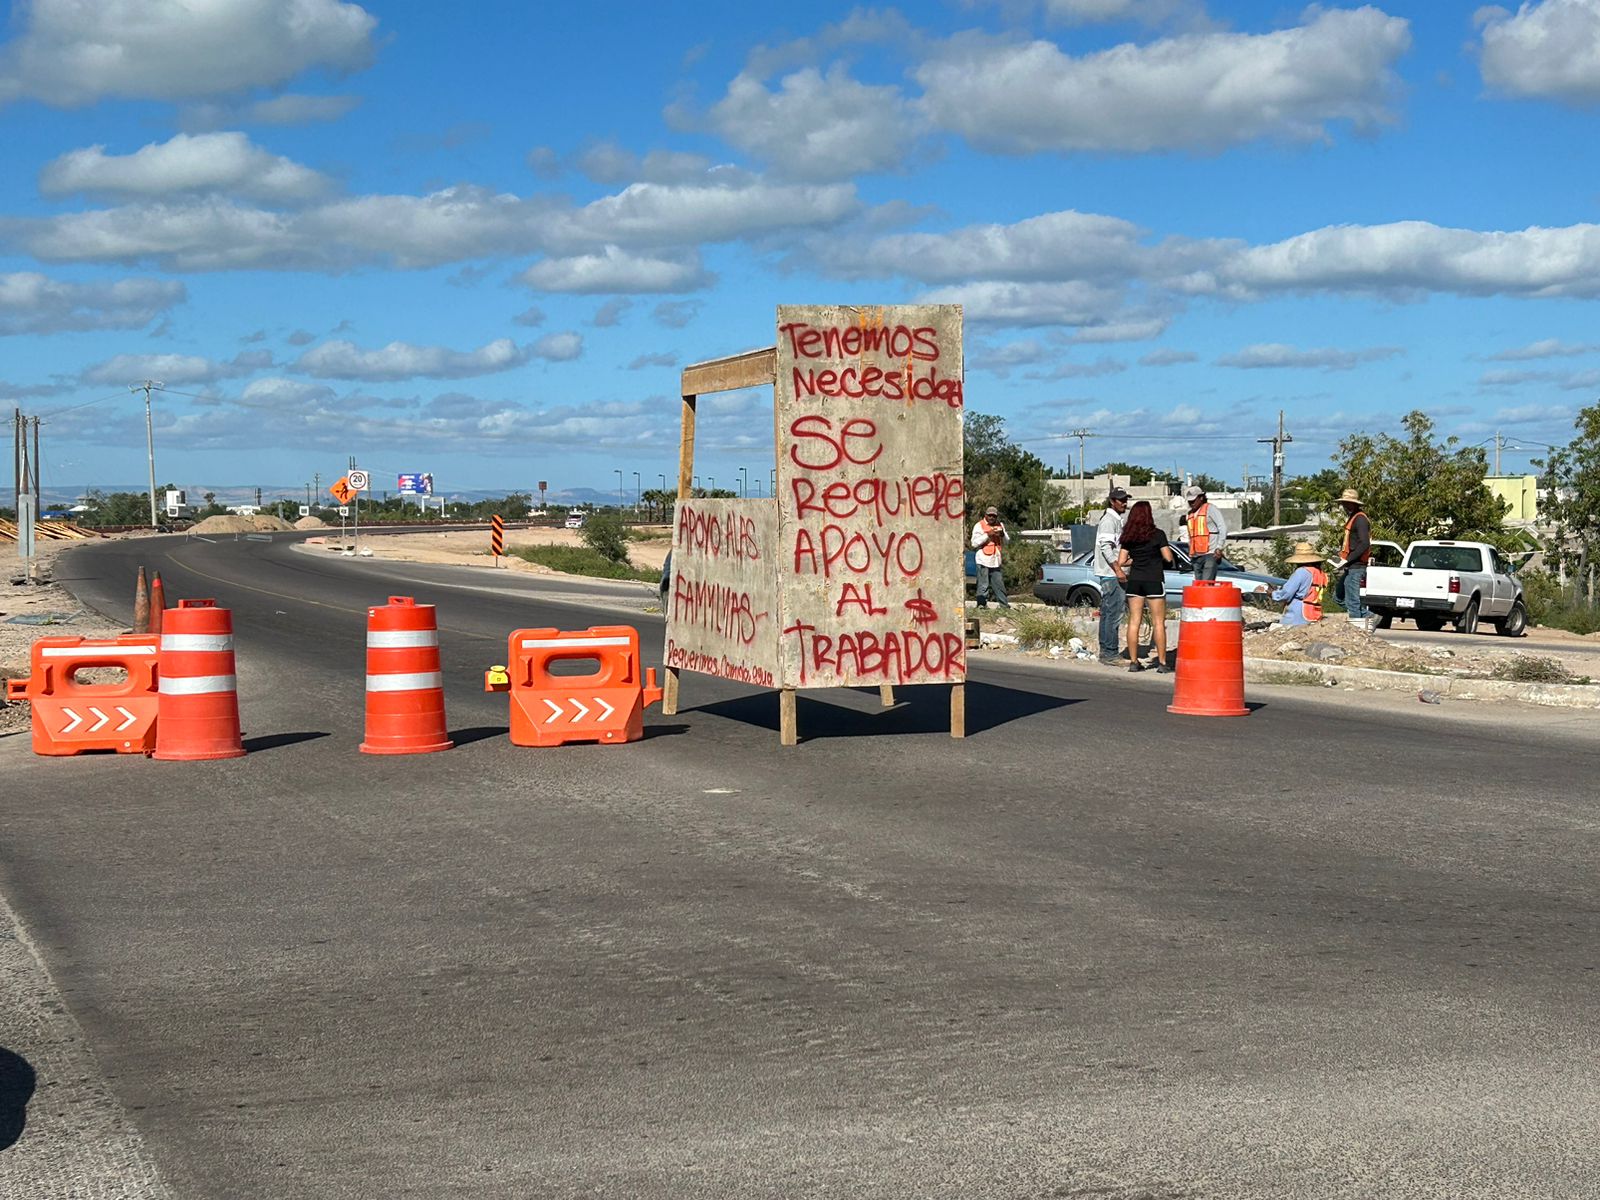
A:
[131,718]
[76,719]
[608,709]
[555,711]
[582,710]
[103,719]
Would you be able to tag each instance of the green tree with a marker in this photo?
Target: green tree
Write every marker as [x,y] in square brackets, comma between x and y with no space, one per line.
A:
[607,535]
[1001,473]
[1572,475]
[1137,476]
[1416,487]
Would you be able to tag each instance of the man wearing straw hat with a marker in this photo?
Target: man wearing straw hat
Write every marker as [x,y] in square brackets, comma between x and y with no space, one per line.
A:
[1355,551]
[1305,588]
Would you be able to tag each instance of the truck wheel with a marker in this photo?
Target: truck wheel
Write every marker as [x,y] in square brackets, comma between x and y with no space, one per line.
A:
[1467,622]
[1514,623]
[1430,624]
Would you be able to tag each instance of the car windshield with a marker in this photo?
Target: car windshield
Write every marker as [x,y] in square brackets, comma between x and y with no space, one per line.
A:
[1445,558]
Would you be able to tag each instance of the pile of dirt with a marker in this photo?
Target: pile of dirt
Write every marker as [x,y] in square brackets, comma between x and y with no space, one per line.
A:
[1339,643]
[232,523]
[310,523]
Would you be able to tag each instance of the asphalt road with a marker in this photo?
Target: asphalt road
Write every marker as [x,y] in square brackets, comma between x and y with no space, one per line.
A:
[1092,950]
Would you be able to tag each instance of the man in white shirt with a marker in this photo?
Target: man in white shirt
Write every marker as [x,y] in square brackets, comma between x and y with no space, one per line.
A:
[1107,545]
[988,536]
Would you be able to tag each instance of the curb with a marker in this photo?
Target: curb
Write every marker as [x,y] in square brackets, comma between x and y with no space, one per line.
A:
[1551,695]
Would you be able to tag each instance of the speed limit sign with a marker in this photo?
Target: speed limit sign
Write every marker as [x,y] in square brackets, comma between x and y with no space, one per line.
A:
[357,480]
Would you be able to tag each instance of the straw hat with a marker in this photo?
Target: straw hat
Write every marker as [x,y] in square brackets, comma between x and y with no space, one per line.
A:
[1349,496]
[1304,552]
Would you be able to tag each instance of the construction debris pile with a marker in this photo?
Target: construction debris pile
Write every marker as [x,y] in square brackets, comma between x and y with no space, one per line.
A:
[230,523]
[1343,644]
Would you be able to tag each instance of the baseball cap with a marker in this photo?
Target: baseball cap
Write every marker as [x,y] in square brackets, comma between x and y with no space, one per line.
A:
[1191,492]
[991,511]
[1117,493]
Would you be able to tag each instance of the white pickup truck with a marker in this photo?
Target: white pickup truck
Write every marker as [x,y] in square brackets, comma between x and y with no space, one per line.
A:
[1459,582]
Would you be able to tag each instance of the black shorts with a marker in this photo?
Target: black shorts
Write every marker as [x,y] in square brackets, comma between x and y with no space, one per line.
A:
[1150,588]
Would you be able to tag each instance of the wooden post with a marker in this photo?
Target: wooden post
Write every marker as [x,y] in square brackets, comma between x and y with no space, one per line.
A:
[669,694]
[788,720]
[958,710]
[886,694]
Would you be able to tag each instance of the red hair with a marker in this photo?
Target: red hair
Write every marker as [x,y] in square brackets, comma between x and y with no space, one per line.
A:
[1140,526]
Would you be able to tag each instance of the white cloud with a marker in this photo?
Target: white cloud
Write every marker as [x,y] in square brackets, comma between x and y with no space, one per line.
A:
[209,162]
[1195,91]
[71,53]
[1275,354]
[174,369]
[464,222]
[1080,370]
[1031,304]
[1168,358]
[663,358]
[402,360]
[531,317]
[1413,257]
[1544,348]
[611,312]
[609,163]
[1549,50]
[615,270]
[290,108]
[558,347]
[34,303]
[676,314]
[817,126]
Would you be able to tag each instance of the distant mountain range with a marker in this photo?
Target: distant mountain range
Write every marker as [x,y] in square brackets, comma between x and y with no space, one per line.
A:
[61,497]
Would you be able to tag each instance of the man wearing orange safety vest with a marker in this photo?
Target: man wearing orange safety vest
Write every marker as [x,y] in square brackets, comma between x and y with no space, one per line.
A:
[1355,552]
[1304,590]
[988,537]
[1207,533]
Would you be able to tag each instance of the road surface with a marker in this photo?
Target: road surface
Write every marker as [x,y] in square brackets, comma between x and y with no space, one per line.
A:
[1092,950]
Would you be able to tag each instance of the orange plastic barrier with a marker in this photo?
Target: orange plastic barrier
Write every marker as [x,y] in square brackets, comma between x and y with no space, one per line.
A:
[548,709]
[199,711]
[1210,678]
[405,687]
[71,716]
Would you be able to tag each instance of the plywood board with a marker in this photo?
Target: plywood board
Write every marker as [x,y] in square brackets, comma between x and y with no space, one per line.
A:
[872,512]
[753,368]
[722,599]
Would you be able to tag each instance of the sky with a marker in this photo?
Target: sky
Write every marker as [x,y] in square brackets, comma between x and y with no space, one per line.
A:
[481,240]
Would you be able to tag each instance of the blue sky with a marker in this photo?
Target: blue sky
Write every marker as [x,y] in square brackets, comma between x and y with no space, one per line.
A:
[480,240]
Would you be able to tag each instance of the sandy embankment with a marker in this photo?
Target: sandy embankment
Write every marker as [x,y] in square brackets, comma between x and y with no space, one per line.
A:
[472,547]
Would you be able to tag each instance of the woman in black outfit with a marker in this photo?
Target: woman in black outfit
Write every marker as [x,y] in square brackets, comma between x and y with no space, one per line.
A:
[1142,563]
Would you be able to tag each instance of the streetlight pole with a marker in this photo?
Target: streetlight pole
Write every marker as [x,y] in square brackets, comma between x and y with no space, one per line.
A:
[744,481]
[711,483]
[149,441]
[638,496]
[619,487]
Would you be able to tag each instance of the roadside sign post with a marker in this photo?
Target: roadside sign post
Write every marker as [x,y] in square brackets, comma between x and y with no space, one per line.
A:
[27,546]
[497,537]
[358,482]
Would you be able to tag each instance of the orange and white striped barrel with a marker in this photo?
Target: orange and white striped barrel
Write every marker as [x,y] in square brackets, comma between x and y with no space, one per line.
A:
[1210,677]
[197,714]
[405,685]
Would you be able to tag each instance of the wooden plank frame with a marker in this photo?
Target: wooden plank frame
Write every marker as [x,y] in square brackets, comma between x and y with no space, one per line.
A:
[755,368]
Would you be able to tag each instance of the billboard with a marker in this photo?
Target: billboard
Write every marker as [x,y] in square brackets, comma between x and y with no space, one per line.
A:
[416,485]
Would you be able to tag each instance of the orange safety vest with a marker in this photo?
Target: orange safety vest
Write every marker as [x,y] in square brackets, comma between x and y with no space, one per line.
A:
[1344,550]
[1199,531]
[1311,605]
[995,542]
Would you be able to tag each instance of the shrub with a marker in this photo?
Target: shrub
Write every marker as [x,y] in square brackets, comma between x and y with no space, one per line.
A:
[580,560]
[1557,607]
[1533,668]
[1037,628]
[606,534]
[1020,563]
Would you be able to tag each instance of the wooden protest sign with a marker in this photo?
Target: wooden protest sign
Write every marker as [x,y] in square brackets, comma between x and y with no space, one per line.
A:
[722,599]
[871,497]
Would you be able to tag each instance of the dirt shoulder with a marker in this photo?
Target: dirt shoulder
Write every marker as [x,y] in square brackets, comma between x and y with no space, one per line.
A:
[471,548]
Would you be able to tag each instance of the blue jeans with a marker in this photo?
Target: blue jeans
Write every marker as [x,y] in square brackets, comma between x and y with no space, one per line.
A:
[990,580]
[1205,566]
[1113,600]
[1351,581]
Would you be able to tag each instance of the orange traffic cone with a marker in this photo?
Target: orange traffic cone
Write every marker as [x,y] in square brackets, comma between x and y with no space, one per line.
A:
[1210,679]
[198,713]
[405,688]
[141,604]
[158,602]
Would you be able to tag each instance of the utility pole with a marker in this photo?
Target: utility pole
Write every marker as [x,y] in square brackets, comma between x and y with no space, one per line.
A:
[38,463]
[149,440]
[316,488]
[16,457]
[1498,442]
[1277,444]
[1083,486]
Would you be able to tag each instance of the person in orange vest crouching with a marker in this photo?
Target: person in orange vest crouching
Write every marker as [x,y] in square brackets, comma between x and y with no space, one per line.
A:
[1206,533]
[989,536]
[1304,590]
